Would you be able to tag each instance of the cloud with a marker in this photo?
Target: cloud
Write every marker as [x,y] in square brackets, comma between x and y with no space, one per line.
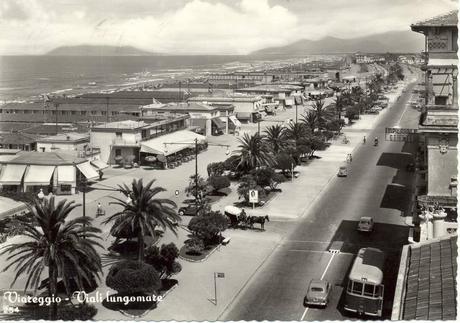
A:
[199,26]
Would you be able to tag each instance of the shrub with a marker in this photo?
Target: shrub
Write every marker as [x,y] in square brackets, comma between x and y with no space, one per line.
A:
[276,179]
[133,277]
[284,162]
[216,169]
[194,245]
[263,176]
[164,259]
[218,182]
[208,227]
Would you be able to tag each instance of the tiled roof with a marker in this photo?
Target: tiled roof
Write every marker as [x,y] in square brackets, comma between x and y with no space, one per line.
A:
[447,19]
[431,285]
[47,158]
[66,137]
[17,138]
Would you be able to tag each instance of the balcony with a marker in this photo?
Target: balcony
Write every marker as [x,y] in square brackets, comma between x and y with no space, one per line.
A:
[120,142]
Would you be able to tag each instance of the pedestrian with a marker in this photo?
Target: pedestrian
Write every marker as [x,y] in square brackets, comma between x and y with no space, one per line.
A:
[99,210]
[101,174]
[350,158]
[364,139]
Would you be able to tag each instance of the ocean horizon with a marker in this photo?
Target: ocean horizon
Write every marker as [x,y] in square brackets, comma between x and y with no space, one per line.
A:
[27,77]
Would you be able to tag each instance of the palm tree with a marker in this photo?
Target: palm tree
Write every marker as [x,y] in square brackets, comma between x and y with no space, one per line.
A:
[67,248]
[253,152]
[310,120]
[321,113]
[339,104]
[142,212]
[276,138]
[296,131]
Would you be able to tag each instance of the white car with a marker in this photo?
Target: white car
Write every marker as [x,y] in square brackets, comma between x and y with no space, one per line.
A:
[366,224]
[317,293]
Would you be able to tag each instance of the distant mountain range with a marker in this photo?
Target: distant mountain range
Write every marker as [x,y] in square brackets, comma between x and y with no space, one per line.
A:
[393,41]
[95,50]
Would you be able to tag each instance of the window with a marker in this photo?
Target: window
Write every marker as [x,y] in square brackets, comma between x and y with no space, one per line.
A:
[440,100]
[117,152]
[379,291]
[357,288]
[66,188]
[118,135]
[369,290]
[73,112]
[83,113]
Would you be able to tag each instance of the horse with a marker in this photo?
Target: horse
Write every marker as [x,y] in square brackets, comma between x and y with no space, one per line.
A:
[258,219]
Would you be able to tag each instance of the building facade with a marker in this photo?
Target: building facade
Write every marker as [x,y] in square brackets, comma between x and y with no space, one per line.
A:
[438,127]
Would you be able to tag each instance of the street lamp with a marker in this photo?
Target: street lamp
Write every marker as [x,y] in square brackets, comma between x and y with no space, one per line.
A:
[195,142]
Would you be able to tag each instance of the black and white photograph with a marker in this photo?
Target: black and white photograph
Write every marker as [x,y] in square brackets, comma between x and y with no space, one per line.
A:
[228,160]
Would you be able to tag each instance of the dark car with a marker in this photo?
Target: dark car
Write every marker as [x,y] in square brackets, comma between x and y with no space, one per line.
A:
[190,210]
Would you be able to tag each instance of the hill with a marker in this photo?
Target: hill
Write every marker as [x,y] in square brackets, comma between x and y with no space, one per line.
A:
[393,41]
[95,50]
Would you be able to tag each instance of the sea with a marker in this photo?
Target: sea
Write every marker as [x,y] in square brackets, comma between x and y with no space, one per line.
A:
[28,78]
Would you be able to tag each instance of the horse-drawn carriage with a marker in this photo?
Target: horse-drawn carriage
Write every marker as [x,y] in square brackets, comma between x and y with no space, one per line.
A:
[238,218]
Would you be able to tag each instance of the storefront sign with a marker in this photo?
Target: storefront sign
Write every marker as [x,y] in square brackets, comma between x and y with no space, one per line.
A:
[400,134]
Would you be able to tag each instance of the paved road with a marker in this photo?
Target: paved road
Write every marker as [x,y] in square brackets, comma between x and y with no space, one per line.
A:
[378,185]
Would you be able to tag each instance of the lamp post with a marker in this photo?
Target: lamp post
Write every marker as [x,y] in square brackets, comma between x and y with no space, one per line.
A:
[195,142]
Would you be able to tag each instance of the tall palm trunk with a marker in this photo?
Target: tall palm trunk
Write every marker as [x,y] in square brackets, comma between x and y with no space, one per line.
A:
[52,273]
[140,239]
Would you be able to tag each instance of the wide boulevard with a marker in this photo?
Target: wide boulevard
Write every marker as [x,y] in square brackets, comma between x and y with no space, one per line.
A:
[377,185]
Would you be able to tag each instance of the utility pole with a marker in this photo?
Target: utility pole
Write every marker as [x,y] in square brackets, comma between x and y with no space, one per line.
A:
[196,177]
[56,112]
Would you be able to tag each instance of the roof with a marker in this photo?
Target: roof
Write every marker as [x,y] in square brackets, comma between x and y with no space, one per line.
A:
[66,137]
[430,287]
[47,158]
[182,107]
[369,265]
[449,19]
[239,98]
[126,124]
[17,138]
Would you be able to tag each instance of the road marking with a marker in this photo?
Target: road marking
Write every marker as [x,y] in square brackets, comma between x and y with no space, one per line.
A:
[322,276]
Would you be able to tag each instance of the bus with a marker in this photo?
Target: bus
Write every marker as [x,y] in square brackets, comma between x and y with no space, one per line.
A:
[364,294]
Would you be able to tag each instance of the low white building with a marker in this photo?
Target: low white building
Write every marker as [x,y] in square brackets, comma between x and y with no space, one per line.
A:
[63,141]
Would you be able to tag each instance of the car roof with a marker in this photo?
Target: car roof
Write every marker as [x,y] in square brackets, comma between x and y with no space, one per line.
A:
[365,218]
[343,167]
[318,283]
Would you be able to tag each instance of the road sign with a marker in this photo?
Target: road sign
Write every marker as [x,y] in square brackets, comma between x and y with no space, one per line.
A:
[220,275]
[400,134]
[253,196]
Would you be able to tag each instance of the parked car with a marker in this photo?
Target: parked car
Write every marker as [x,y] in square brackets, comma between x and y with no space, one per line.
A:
[189,210]
[343,171]
[366,224]
[317,293]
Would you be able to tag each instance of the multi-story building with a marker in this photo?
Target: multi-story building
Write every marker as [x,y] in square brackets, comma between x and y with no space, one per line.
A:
[210,119]
[438,127]
[124,138]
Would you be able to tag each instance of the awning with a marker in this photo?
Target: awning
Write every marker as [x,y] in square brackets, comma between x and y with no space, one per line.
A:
[99,164]
[218,123]
[12,174]
[175,141]
[87,170]
[39,175]
[442,90]
[442,62]
[243,115]
[235,121]
[66,174]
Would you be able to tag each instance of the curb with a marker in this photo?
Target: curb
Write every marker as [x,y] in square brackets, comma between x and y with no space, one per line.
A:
[205,258]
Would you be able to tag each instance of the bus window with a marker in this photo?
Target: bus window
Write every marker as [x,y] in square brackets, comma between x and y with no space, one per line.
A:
[357,288]
[369,290]
[379,290]
[350,284]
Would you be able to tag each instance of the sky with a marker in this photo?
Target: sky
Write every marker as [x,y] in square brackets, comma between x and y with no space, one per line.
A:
[33,27]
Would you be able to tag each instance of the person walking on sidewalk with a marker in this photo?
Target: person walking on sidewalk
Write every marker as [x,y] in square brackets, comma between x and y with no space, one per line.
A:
[364,140]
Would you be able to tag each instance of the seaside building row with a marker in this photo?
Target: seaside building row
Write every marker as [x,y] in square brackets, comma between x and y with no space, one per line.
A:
[426,287]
